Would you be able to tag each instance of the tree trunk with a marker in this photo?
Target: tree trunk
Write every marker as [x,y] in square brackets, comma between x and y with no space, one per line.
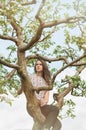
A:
[33,107]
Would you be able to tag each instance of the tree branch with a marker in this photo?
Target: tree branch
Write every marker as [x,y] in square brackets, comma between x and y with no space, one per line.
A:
[1,5]
[39,88]
[53,59]
[28,3]
[9,65]
[39,10]
[39,31]
[66,20]
[47,59]
[79,64]
[9,75]
[46,25]
[45,37]
[16,27]
[33,40]
[8,38]
[59,97]
[69,64]
[71,86]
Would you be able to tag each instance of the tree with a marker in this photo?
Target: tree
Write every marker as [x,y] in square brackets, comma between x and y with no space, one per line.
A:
[28,28]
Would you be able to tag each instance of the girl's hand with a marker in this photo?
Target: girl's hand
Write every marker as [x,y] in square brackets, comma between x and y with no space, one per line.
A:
[43,102]
[45,99]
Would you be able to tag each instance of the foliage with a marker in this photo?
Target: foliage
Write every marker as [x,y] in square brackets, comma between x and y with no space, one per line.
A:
[55,30]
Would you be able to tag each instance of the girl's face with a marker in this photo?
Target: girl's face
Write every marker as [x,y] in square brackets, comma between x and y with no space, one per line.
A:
[39,66]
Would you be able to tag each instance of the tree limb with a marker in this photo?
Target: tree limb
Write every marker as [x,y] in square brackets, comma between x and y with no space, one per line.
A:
[1,5]
[39,10]
[16,27]
[71,63]
[53,59]
[9,75]
[8,38]
[33,40]
[63,21]
[46,25]
[28,3]
[79,64]
[41,40]
[39,88]
[59,97]
[8,64]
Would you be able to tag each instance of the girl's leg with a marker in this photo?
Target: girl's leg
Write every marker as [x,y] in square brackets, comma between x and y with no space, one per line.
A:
[57,125]
[51,112]
[37,126]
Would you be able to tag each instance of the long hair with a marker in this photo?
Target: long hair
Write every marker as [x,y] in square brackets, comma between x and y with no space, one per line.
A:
[46,73]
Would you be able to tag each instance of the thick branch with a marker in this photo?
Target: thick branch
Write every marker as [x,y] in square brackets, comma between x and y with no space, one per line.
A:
[39,88]
[16,27]
[66,20]
[33,40]
[59,97]
[71,63]
[8,38]
[1,5]
[45,37]
[53,59]
[46,25]
[66,91]
[9,65]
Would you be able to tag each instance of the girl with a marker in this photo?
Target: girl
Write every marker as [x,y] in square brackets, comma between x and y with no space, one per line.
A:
[42,78]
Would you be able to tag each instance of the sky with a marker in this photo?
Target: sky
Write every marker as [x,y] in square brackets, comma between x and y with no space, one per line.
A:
[15,117]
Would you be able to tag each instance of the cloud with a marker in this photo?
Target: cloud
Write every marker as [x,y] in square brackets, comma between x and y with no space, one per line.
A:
[15,116]
[79,121]
[80,110]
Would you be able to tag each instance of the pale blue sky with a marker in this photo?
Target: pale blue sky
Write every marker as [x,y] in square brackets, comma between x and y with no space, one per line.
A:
[17,118]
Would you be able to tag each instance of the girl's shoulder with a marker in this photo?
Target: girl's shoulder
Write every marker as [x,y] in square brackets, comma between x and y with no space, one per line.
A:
[33,76]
